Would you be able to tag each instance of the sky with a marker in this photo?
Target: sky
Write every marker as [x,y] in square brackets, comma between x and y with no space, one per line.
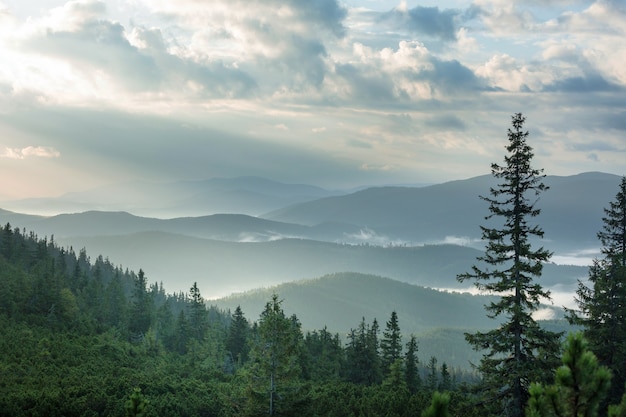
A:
[337,94]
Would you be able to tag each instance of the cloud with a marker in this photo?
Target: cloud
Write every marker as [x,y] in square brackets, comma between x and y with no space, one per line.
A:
[108,57]
[428,21]
[30,151]
[582,84]
[282,42]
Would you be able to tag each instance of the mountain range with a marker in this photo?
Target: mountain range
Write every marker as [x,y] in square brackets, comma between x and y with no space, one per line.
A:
[242,195]
[403,233]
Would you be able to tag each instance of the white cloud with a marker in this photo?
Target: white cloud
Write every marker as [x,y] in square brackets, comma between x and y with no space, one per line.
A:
[30,151]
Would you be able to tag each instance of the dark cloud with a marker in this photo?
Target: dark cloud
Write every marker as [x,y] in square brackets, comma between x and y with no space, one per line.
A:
[446,122]
[327,13]
[367,87]
[452,76]
[584,84]
[596,145]
[301,62]
[615,121]
[429,21]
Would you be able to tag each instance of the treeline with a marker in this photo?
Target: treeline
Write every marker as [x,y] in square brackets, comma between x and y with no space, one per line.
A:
[80,336]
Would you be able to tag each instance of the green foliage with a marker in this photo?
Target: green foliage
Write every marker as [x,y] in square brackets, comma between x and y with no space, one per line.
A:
[439,405]
[602,314]
[391,343]
[274,372]
[618,410]
[237,339]
[519,350]
[411,370]
[137,405]
[71,347]
[362,355]
[580,385]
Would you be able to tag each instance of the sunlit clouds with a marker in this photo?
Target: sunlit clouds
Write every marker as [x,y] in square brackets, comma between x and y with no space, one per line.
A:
[324,92]
[28,152]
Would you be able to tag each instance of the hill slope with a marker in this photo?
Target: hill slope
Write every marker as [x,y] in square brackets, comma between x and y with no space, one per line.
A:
[340,301]
[221,268]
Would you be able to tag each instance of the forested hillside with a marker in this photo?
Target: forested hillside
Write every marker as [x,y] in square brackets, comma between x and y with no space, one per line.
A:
[79,337]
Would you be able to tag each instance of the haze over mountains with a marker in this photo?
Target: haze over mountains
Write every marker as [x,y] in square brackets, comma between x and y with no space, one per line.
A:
[241,195]
[305,232]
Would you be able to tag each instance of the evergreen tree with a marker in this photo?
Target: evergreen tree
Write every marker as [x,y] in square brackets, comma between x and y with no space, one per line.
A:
[115,303]
[363,360]
[141,310]
[602,306]
[411,371]
[446,379]
[198,318]
[275,371]
[432,378]
[580,385]
[324,360]
[237,339]
[519,350]
[391,343]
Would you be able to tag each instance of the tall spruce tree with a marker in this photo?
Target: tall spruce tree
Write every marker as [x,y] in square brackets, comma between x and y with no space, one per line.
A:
[602,306]
[519,350]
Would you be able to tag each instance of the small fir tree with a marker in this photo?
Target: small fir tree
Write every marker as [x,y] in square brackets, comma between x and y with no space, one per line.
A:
[438,406]
[580,385]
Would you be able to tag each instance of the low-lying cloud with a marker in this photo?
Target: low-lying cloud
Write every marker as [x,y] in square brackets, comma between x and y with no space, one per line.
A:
[29,152]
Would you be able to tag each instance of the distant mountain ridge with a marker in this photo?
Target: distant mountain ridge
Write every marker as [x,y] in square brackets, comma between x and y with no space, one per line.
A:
[572,210]
[377,230]
[241,195]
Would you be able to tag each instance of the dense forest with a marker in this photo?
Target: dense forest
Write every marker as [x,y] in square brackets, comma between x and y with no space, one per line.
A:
[79,337]
[88,338]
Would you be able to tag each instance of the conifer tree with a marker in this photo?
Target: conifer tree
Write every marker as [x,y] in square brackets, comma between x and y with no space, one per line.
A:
[519,350]
[198,317]
[275,369]
[391,343]
[141,309]
[432,379]
[602,307]
[580,385]
[237,338]
[411,372]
